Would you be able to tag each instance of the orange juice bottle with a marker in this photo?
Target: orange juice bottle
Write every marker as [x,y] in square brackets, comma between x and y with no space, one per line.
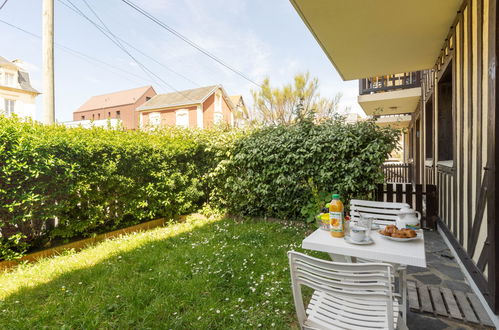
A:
[336,217]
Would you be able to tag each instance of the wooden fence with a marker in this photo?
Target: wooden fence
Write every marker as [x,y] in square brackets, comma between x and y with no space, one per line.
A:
[424,201]
[397,172]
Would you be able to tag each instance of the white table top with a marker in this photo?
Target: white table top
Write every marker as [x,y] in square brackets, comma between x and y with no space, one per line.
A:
[405,253]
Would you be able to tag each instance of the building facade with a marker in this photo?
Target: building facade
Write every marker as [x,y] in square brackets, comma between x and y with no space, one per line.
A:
[113,108]
[194,108]
[441,76]
[17,96]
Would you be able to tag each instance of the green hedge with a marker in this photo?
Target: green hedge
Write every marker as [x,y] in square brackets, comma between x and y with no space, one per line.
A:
[288,172]
[58,183]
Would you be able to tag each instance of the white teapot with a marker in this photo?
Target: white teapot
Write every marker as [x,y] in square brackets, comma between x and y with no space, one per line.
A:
[408,218]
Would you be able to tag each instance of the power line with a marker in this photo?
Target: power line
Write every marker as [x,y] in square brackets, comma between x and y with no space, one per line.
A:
[3,4]
[111,36]
[187,40]
[76,52]
[121,40]
[137,49]
[146,71]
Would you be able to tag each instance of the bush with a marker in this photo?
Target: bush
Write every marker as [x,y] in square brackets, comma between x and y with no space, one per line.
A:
[58,183]
[288,172]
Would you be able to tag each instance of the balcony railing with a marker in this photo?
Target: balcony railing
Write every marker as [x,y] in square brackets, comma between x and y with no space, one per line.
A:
[389,83]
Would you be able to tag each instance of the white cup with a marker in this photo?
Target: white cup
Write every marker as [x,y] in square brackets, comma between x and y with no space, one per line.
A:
[357,234]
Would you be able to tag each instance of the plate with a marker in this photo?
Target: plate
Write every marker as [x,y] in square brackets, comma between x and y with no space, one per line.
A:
[419,234]
[366,241]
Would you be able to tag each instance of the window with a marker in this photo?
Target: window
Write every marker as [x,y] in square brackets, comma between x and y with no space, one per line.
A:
[82,117]
[147,98]
[182,118]
[429,129]
[109,114]
[218,102]
[8,79]
[218,117]
[154,119]
[9,106]
[98,116]
[93,116]
[118,114]
[445,123]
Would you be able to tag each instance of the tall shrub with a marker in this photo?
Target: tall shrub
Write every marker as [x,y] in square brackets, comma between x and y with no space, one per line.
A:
[58,183]
[286,171]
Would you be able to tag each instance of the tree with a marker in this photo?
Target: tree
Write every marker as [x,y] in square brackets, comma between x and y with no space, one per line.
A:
[284,105]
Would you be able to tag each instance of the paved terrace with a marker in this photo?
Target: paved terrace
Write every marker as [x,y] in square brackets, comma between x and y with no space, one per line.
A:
[440,296]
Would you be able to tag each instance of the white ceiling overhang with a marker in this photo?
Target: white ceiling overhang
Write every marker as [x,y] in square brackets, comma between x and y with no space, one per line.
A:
[368,38]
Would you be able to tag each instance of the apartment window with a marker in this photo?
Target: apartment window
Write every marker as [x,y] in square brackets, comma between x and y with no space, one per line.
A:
[182,118]
[445,123]
[155,119]
[9,106]
[429,129]
[218,117]
[8,79]
[82,117]
[218,102]
[118,114]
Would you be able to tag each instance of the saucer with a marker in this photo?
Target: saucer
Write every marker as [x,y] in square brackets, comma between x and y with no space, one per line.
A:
[366,241]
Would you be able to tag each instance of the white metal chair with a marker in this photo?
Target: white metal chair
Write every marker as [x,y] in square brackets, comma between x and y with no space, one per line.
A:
[346,296]
[385,213]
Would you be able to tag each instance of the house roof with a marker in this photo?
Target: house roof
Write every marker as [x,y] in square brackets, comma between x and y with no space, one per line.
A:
[125,97]
[180,98]
[23,79]
[22,76]
[235,99]
[6,62]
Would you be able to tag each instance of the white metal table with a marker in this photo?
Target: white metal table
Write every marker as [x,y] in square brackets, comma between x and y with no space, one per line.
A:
[385,250]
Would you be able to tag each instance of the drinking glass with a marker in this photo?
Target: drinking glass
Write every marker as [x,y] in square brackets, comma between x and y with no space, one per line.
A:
[366,221]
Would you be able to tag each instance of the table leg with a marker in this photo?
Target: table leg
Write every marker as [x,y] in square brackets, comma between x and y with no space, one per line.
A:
[403,291]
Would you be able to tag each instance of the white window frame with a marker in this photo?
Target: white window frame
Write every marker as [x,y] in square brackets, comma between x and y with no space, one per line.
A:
[155,119]
[9,106]
[218,102]
[182,118]
[8,79]
[218,117]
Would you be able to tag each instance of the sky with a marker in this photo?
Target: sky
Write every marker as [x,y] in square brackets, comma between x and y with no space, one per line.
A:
[259,38]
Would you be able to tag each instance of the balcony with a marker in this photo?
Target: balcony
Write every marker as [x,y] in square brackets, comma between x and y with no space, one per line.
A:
[390,94]
[389,83]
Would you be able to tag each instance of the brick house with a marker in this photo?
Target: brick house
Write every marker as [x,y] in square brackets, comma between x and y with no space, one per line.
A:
[194,108]
[115,106]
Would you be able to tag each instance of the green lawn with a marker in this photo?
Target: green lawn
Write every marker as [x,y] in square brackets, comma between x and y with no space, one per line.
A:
[200,274]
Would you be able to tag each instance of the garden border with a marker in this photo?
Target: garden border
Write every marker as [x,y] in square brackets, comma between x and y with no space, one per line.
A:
[80,244]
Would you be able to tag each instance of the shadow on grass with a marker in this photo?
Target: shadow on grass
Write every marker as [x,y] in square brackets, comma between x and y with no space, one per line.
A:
[218,275]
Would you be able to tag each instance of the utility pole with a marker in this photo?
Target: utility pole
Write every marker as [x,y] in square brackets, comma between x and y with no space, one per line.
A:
[48,62]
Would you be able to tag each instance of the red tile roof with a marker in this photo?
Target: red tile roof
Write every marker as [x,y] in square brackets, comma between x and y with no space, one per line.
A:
[129,96]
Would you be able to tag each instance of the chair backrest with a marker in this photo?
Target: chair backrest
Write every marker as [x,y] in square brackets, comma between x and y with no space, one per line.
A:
[371,282]
[384,212]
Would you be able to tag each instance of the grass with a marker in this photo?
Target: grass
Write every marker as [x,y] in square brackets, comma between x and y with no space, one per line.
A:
[200,274]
